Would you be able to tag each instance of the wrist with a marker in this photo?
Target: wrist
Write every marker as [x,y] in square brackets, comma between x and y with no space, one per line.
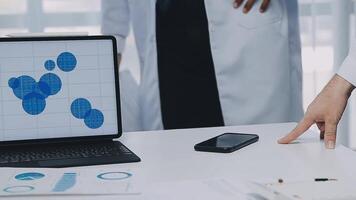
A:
[341,85]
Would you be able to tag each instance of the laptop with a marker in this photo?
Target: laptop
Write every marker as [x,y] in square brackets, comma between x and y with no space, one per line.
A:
[60,102]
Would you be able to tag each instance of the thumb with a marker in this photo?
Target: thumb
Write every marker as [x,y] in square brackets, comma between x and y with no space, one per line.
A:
[303,126]
[330,134]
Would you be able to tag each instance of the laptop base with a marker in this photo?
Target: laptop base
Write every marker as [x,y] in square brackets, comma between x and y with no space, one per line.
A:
[66,155]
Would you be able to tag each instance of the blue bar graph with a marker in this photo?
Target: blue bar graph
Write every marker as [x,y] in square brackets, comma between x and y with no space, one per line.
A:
[67,181]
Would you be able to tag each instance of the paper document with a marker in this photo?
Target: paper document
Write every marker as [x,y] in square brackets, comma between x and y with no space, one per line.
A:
[323,190]
[212,189]
[27,182]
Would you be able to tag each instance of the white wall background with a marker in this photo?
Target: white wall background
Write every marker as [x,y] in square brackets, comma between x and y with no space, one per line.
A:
[317,22]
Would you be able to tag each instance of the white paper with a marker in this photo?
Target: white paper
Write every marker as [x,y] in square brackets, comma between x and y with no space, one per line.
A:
[212,189]
[27,182]
[305,190]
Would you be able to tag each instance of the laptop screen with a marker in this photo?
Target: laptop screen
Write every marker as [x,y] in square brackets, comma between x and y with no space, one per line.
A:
[58,88]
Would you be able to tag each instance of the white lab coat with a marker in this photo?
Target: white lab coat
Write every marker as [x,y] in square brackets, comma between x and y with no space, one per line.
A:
[256,57]
[348,68]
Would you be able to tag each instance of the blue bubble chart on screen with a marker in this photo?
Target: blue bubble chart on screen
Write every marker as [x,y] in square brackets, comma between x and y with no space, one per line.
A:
[66,61]
[13,83]
[33,94]
[81,109]
[34,103]
[50,65]
[94,119]
[29,176]
[50,84]
[22,85]
[43,89]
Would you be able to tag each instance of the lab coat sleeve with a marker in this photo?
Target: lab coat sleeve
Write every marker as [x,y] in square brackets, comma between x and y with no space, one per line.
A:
[116,20]
[348,68]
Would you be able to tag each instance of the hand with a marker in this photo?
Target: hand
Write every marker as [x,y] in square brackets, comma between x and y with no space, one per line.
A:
[326,111]
[250,3]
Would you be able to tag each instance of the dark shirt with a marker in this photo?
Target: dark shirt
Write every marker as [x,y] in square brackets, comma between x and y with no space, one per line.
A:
[187,82]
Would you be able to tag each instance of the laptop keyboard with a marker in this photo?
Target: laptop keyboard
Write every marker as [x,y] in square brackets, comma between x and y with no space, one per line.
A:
[60,152]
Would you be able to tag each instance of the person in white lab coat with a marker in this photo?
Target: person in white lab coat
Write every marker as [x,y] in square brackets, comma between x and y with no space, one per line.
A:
[204,63]
[327,108]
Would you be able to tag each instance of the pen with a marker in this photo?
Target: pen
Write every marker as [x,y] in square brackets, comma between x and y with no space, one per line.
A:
[324,179]
[316,180]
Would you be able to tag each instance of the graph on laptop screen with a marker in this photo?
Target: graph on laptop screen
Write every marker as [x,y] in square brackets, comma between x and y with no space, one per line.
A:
[57,89]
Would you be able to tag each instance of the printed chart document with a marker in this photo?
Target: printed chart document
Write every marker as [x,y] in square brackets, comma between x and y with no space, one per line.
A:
[27,182]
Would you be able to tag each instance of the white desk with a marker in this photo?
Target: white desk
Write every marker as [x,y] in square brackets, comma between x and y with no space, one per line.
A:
[169,155]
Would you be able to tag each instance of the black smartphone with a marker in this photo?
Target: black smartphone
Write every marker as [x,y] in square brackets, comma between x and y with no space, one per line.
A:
[227,142]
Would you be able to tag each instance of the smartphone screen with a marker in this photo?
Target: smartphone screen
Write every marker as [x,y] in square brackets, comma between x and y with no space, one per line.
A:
[227,142]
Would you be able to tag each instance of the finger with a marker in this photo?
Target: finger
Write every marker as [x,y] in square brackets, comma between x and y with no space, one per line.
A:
[321,127]
[248,5]
[322,135]
[237,3]
[264,6]
[303,126]
[330,135]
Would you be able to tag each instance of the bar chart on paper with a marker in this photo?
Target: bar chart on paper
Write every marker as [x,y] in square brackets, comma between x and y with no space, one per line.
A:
[66,182]
[19,182]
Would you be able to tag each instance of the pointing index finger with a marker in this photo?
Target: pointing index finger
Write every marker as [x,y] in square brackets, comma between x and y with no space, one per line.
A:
[303,126]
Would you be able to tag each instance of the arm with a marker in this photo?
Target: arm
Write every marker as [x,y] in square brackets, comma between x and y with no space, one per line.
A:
[116,21]
[348,68]
[327,109]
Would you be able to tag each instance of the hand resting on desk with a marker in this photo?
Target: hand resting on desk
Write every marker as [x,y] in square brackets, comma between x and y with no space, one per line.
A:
[326,111]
